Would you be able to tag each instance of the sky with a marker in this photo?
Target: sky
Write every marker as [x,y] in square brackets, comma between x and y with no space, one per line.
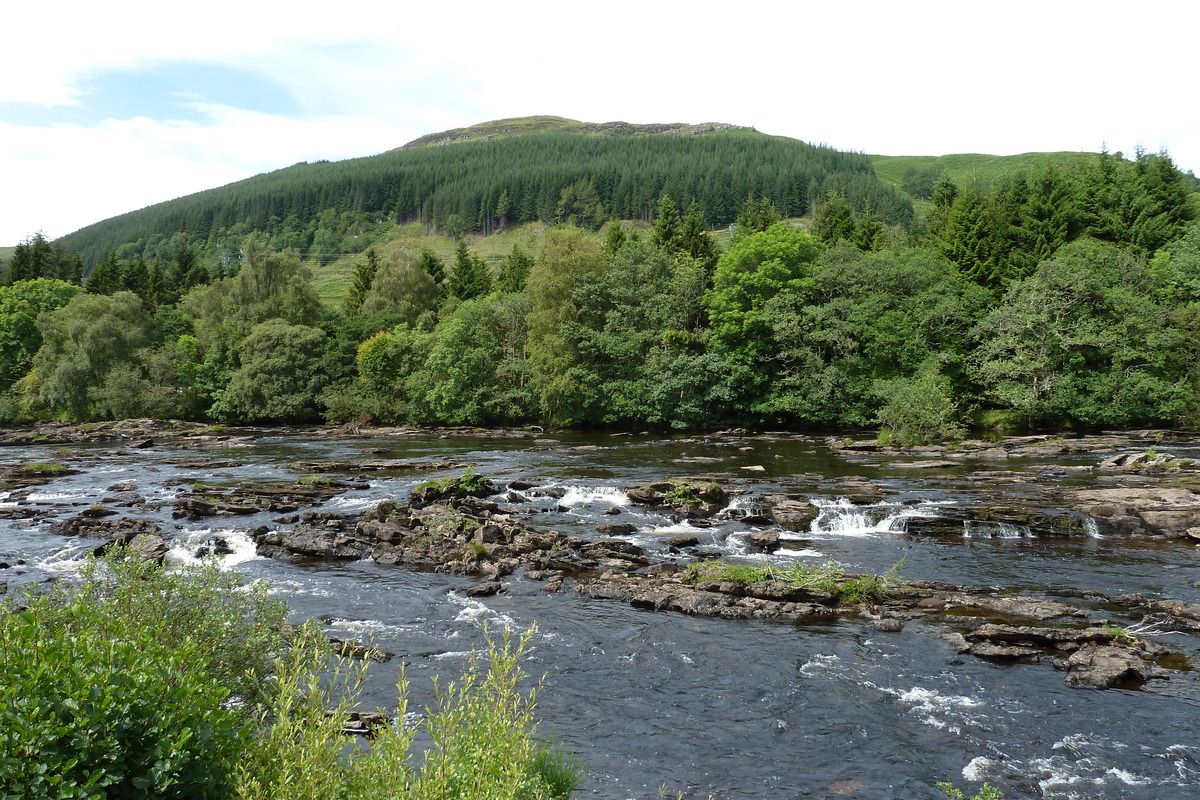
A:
[110,107]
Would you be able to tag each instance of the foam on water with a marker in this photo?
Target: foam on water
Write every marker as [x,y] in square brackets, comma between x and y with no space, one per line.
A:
[476,613]
[188,543]
[351,504]
[977,768]
[60,496]
[939,710]
[589,495]
[67,561]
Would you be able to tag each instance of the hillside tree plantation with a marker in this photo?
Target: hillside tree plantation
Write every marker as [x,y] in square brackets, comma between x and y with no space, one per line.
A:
[1063,295]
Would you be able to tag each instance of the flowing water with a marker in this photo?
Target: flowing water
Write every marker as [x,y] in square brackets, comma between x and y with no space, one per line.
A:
[663,702]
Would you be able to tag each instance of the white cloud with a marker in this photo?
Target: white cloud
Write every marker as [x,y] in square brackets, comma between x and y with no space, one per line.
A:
[918,78]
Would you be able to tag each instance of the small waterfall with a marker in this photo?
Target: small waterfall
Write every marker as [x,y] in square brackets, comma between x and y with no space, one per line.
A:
[587,495]
[841,517]
[1092,528]
[975,529]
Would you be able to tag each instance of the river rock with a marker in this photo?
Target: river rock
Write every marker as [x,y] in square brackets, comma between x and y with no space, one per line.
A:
[329,536]
[113,530]
[1108,666]
[352,648]
[1159,511]
[692,498]
[794,515]
[617,529]
[766,541]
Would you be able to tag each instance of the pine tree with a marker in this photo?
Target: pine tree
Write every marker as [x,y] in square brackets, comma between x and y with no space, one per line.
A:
[135,277]
[694,239]
[666,224]
[364,276]
[868,231]
[106,276]
[503,206]
[515,270]
[834,220]
[470,277]
[614,238]
[433,266]
[756,216]
[20,266]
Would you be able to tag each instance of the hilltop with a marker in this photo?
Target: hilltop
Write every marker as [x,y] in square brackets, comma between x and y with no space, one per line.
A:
[520,126]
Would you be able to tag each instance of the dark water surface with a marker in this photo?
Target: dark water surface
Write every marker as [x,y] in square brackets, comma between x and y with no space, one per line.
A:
[698,706]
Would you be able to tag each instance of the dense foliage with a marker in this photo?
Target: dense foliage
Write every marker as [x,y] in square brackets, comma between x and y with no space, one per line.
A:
[1069,295]
[143,682]
[329,208]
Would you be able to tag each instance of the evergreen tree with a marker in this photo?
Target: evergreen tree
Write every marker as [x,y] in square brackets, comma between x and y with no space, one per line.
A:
[364,275]
[106,276]
[470,277]
[20,265]
[869,232]
[944,195]
[503,207]
[666,223]
[968,240]
[834,220]
[72,269]
[135,277]
[514,271]
[614,237]
[694,239]
[756,216]
[433,266]
[155,283]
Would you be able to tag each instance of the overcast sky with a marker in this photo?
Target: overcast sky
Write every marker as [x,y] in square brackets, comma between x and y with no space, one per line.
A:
[109,107]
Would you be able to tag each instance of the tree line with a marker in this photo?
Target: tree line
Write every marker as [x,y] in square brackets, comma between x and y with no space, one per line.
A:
[1065,296]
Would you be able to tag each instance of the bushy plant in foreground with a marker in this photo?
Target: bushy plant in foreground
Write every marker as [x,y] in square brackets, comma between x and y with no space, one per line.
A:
[142,682]
[85,713]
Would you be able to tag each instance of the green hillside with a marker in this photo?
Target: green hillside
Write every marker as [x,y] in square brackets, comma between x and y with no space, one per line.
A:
[513,171]
[910,173]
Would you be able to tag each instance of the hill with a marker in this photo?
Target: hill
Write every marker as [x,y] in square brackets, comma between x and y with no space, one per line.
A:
[501,173]
[915,175]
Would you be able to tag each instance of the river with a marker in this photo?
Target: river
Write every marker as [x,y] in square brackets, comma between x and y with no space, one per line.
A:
[660,702]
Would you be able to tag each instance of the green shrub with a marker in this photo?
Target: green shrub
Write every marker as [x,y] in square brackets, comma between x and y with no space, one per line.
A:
[723,572]
[85,714]
[986,792]
[142,682]
[472,482]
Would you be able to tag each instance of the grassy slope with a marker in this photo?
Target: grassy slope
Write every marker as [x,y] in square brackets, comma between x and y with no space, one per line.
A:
[963,167]
[6,253]
[332,281]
